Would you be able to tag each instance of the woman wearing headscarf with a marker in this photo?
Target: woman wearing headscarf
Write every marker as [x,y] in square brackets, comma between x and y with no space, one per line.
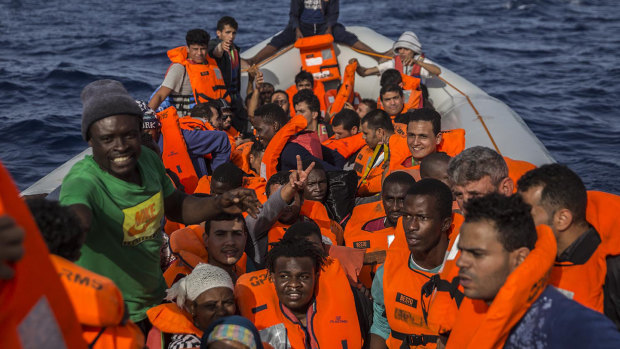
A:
[231,332]
[198,299]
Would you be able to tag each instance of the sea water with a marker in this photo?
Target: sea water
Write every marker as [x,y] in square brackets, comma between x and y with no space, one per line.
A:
[554,62]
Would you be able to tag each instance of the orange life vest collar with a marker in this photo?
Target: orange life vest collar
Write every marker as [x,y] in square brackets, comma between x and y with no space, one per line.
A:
[271,157]
[481,326]
[206,79]
[169,318]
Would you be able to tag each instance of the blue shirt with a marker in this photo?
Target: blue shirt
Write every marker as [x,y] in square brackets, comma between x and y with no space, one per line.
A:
[554,321]
[200,143]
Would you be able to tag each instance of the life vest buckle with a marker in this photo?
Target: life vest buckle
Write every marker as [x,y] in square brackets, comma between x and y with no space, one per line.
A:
[421,339]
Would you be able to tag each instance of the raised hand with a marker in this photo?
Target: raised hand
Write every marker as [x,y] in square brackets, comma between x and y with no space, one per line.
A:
[259,78]
[239,200]
[299,177]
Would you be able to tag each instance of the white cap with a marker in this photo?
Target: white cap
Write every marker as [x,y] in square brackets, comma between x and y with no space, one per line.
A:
[203,278]
[408,40]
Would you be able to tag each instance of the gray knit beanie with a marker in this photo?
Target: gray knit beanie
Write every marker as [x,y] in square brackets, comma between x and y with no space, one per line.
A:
[104,98]
[408,40]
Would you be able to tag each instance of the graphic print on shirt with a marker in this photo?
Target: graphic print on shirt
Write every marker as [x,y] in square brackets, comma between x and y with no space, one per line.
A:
[142,222]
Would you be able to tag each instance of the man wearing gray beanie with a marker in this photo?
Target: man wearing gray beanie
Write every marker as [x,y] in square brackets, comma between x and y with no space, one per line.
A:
[408,59]
[120,195]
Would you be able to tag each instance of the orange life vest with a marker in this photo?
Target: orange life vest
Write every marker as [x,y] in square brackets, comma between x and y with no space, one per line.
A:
[584,282]
[452,142]
[347,146]
[516,169]
[371,241]
[330,97]
[36,310]
[412,95]
[334,325]
[345,92]
[174,152]
[188,247]
[317,88]
[206,79]
[318,213]
[444,306]
[318,57]
[241,157]
[481,326]
[103,325]
[415,70]
[271,157]
[169,318]
[371,179]
[602,212]
[404,303]
[328,229]
[193,124]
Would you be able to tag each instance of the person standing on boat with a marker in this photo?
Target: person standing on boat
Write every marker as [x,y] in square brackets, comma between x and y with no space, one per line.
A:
[120,195]
[226,54]
[309,18]
[409,59]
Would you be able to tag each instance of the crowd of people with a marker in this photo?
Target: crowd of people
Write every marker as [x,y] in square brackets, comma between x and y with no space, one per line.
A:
[312,219]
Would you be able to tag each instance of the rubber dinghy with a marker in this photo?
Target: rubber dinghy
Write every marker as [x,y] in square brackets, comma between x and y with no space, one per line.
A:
[494,125]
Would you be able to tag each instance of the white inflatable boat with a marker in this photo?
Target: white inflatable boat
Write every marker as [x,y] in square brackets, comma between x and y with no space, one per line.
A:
[505,130]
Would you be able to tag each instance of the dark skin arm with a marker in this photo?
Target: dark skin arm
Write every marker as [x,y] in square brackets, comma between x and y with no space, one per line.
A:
[377,342]
[188,209]
[11,245]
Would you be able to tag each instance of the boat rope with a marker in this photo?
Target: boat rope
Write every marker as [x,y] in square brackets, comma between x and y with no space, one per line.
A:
[269,59]
[484,125]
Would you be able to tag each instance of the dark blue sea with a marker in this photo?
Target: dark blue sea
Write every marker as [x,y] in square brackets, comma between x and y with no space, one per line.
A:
[553,61]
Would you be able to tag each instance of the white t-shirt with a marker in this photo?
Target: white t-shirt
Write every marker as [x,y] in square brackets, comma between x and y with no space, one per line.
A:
[406,69]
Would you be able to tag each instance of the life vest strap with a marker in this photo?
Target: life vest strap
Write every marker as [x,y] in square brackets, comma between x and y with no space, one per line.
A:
[414,339]
[91,345]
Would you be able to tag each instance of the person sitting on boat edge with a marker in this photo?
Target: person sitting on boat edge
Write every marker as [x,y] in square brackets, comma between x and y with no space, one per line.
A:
[193,76]
[197,300]
[228,58]
[309,18]
[409,59]
[587,265]
[504,266]
[120,195]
